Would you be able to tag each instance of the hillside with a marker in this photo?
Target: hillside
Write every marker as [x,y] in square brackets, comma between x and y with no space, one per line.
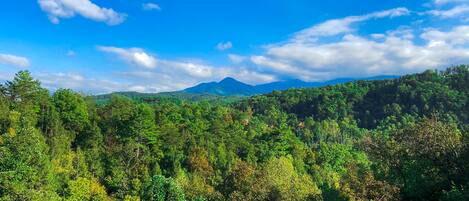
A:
[298,84]
[228,90]
[396,139]
[232,87]
[168,96]
[227,87]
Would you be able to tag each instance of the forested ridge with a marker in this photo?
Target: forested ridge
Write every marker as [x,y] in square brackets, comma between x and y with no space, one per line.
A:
[399,139]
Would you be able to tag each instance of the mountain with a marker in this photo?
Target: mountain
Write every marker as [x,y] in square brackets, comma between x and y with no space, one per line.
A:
[227,87]
[232,87]
[228,90]
[281,85]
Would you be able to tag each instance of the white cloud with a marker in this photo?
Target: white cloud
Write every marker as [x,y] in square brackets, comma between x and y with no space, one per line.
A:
[134,56]
[403,50]
[236,58]
[457,36]
[199,72]
[196,70]
[85,84]
[404,32]
[102,85]
[12,60]
[224,45]
[178,74]
[155,81]
[79,82]
[378,36]
[174,75]
[57,9]
[442,2]
[456,11]
[253,77]
[392,53]
[304,55]
[151,6]
[277,65]
[343,25]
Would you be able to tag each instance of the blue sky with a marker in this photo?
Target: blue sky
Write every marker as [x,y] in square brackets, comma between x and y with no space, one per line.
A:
[98,46]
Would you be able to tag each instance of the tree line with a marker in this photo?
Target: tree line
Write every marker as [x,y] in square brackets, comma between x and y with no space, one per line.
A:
[399,139]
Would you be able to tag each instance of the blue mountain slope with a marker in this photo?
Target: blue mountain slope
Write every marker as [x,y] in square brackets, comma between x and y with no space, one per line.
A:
[226,87]
[290,84]
[232,87]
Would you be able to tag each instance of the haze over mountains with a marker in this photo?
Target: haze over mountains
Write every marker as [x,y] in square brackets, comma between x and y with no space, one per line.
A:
[230,90]
[232,87]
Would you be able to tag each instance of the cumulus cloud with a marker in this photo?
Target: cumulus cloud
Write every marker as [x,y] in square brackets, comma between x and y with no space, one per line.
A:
[236,58]
[79,82]
[442,2]
[304,55]
[196,72]
[457,11]
[139,81]
[224,45]
[177,74]
[151,6]
[156,82]
[457,36]
[397,51]
[343,25]
[278,65]
[57,9]
[393,53]
[12,60]
[135,56]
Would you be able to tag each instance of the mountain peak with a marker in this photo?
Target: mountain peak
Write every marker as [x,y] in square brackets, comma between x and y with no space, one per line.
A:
[229,79]
[227,86]
[230,86]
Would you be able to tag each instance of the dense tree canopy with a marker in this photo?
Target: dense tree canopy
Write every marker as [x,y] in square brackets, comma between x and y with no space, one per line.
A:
[399,139]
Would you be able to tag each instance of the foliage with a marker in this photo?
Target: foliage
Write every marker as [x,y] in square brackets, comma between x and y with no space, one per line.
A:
[160,188]
[400,139]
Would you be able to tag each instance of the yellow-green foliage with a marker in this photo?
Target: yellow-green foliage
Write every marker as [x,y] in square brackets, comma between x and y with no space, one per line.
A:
[401,139]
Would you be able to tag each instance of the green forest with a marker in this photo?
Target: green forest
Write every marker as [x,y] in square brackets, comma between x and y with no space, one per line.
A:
[397,139]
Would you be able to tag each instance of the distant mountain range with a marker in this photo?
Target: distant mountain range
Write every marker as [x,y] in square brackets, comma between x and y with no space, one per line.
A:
[229,90]
[232,87]
[227,87]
